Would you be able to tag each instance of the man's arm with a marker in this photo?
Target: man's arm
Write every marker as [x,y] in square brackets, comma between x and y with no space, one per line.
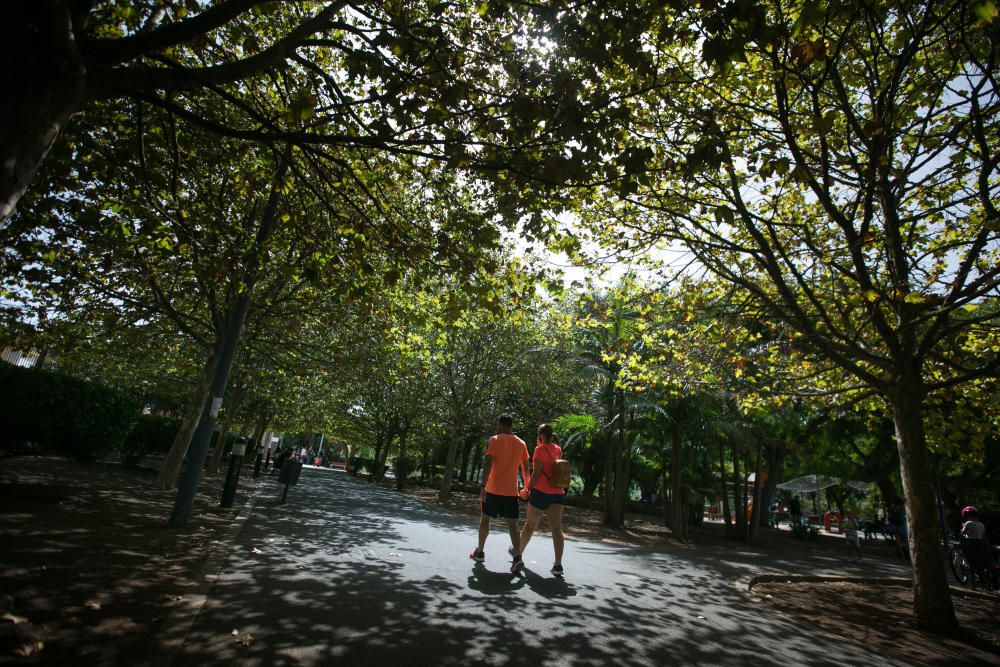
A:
[487,466]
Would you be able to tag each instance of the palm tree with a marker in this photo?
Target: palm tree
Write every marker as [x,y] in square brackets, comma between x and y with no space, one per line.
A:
[598,345]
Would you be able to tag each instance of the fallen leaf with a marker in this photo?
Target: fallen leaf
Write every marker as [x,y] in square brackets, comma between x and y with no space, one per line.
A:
[92,604]
[245,640]
[11,618]
[31,648]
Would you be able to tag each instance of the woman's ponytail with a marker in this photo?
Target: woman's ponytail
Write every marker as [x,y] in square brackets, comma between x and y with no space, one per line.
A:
[546,431]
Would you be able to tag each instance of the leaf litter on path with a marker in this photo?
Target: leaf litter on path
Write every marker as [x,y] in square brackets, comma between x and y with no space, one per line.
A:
[29,649]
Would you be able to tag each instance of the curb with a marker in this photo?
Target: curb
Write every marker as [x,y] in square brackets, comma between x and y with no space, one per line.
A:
[824,579]
[176,627]
[832,579]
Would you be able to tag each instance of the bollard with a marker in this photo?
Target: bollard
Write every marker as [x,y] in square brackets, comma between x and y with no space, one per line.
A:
[233,473]
[257,464]
[289,475]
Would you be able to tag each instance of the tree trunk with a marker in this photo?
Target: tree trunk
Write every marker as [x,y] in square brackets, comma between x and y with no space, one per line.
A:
[886,487]
[626,494]
[677,486]
[609,460]
[466,456]
[775,470]
[725,493]
[739,498]
[257,436]
[667,503]
[380,465]
[238,394]
[449,463]
[346,449]
[758,492]
[379,444]
[404,435]
[619,494]
[45,87]
[932,604]
[167,478]
[425,465]
[477,463]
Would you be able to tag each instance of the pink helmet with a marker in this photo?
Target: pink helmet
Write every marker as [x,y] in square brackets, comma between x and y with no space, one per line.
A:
[969,510]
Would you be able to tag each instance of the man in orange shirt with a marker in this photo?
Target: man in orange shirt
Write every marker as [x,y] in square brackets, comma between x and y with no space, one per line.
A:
[505,455]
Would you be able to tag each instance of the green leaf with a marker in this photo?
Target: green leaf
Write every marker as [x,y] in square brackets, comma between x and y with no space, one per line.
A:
[724,214]
[812,14]
[985,11]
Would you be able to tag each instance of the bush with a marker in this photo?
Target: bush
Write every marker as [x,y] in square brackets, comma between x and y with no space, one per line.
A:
[804,531]
[361,464]
[404,466]
[369,466]
[46,412]
[151,434]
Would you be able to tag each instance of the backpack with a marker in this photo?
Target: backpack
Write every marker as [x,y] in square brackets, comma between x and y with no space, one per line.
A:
[560,472]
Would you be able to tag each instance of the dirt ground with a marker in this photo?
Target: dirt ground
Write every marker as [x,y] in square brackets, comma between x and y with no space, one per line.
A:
[89,570]
[877,615]
[880,617]
[88,567]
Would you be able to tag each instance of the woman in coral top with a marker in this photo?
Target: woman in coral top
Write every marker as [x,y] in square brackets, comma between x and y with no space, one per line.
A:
[543,497]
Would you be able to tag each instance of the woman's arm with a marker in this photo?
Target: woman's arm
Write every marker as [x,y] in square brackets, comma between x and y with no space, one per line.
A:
[535,472]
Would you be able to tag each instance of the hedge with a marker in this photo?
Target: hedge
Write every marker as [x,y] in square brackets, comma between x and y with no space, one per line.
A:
[151,434]
[46,412]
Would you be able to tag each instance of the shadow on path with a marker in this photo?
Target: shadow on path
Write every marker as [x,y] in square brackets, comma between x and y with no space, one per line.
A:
[347,573]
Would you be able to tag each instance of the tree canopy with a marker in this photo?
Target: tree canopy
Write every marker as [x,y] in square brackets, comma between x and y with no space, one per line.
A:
[382,186]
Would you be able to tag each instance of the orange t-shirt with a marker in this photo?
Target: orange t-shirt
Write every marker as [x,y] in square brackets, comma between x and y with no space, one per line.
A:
[545,456]
[508,452]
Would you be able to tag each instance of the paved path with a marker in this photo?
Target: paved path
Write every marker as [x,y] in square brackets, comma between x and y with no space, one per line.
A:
[349,573]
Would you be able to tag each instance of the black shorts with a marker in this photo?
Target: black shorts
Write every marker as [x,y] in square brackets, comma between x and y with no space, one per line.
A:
[505,506]
[543,500]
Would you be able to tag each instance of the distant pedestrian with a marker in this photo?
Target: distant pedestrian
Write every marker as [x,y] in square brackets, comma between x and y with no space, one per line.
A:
[851,527]
[505,455]
[280,459]
[544,497]
[795,509]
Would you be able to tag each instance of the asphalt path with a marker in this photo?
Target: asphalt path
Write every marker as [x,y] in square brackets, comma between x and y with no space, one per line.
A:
[349,573]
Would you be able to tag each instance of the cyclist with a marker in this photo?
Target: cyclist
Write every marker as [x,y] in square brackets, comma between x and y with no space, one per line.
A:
[972,527]
[974,544]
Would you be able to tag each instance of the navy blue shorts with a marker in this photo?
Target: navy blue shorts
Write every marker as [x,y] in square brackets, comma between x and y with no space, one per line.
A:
[494,505]
[543,500]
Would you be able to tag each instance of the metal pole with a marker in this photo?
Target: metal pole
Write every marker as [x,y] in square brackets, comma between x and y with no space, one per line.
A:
[203,434]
